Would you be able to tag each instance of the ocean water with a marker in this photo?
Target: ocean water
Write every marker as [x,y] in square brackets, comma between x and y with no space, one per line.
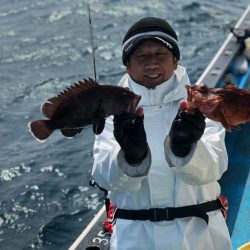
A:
[45,199]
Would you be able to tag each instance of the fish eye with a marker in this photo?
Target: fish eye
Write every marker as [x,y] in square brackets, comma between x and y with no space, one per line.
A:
[203,88]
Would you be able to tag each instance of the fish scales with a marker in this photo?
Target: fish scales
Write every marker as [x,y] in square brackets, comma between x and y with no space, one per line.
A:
[80,105]
[236,104]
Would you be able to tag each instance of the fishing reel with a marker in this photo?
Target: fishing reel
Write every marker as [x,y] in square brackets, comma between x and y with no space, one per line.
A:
[241,34]
[243,37]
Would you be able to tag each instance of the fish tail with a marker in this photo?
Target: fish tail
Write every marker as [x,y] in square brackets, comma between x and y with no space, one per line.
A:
[40,129]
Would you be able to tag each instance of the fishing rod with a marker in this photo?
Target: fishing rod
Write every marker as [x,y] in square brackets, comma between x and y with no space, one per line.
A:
[92,40]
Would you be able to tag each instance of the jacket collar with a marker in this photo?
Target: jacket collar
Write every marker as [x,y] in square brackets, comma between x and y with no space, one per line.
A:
[168,91]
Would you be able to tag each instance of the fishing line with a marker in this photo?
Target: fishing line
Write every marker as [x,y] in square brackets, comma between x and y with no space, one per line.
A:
[92,40]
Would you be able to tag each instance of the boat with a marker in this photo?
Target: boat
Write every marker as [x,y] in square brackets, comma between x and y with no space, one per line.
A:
[230,65]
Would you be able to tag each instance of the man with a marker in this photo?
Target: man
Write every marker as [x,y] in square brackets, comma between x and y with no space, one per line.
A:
[161,165]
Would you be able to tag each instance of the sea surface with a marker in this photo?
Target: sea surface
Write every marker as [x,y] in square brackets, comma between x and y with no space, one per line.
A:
[45,46]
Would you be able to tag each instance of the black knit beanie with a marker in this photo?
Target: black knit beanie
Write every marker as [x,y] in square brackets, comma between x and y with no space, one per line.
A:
[150,28]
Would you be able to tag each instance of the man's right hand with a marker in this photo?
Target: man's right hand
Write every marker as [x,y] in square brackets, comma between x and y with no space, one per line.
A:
[130,134]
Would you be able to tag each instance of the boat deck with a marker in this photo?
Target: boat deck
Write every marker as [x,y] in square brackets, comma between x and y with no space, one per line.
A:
[235,184]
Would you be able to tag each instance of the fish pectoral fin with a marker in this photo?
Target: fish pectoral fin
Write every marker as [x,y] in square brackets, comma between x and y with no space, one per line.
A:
[98,126]
[225,123]
[70,132]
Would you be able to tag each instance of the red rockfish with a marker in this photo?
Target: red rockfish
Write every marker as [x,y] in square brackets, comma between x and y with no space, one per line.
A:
[80,105]
[229,105]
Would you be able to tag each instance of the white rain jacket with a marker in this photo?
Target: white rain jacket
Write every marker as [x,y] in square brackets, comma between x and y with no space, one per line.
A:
[162,179]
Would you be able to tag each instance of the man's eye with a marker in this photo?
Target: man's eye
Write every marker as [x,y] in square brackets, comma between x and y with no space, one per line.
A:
[141,56]
[162,54]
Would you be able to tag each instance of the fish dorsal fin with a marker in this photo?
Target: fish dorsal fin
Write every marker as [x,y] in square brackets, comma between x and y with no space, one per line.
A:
[238,90]
[52,104]
[76,89]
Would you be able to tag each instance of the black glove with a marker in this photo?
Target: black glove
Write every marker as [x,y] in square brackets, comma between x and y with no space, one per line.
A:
[130,134]
[186,129]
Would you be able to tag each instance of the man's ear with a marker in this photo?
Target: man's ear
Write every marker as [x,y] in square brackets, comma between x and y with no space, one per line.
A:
[175,63]
[127,66]
[127,63]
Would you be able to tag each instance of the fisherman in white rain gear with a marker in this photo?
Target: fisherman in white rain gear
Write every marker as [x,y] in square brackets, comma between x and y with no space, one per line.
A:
[161,165]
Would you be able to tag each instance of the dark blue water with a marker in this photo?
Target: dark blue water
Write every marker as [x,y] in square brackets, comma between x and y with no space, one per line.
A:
[45,200]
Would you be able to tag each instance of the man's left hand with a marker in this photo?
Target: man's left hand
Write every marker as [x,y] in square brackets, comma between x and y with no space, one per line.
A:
[187,128]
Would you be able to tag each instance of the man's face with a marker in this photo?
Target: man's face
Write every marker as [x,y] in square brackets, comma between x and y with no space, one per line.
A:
[151,64]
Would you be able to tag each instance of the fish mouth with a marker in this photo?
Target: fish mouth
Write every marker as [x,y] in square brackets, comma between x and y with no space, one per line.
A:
[134,104]
[189,92]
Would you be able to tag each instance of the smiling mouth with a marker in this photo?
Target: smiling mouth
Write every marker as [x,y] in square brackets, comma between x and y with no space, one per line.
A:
[152,76]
